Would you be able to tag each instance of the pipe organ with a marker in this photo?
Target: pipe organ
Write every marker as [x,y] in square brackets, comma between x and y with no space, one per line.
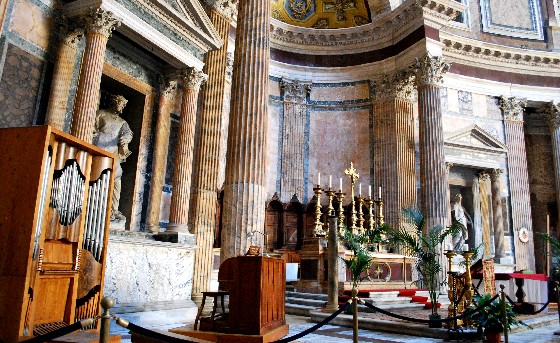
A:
[54,217]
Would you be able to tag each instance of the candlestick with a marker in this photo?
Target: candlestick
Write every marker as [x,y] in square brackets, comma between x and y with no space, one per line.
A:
[318,230]
[360,190]
[360,214]
[340,197]
[370,205]
[330,194]
[465,247]
[379,192]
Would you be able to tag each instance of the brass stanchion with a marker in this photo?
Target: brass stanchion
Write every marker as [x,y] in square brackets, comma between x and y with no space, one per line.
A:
[504,312]
[355,316]
[106,304]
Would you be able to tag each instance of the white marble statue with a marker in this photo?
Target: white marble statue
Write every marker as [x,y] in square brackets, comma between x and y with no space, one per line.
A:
[459,218]
[113,134]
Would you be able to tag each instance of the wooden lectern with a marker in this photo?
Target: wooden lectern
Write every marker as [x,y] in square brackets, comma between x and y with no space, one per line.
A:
[54,215]
[257,291]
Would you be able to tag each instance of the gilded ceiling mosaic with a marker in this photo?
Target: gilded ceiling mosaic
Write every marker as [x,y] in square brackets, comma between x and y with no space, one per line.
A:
[321,14]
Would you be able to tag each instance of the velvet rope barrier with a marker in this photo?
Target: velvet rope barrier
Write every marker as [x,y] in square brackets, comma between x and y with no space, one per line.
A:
[149,333]
[416,320]
[316,326]
[61,332]
[517,308]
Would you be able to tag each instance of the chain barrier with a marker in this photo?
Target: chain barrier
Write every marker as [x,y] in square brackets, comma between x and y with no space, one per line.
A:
[522,311]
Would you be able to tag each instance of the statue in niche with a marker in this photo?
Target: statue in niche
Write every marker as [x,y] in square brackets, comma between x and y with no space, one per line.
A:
[113,134]
[459,218]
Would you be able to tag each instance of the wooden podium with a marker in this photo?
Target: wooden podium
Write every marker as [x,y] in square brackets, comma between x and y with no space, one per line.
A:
[54,215]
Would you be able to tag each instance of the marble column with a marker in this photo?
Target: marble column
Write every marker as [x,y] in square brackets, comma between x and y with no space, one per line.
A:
[293,139]
[203,207]
[434,198]
[161,144]
[99,25]
[68,37]
[552,113]
[244,188]
[393,143]
[512,109]
[486,214]
[497,214]
[177,229]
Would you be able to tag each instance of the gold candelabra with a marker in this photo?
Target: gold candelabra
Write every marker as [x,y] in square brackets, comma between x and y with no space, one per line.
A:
[340,197]
[318,230]
[379,206]
[360,214]
[369,204]
[330,194]
[353,175]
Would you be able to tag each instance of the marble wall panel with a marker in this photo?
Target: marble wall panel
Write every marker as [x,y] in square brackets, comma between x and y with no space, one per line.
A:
[165,207]
[141,271]
[465,102]
[479,105]
[340,92]
[501,12]
[336,139]
[272,149]
[452,100]
[513,18]
[493,108]
[31,23]
[19,87]
[274,88]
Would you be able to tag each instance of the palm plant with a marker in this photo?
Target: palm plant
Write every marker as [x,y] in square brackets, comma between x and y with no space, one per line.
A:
[360,261]
[425,247]
[490,318]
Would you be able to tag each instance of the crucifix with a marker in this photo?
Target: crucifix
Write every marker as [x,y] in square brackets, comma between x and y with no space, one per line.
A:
[339,7]
[352,173]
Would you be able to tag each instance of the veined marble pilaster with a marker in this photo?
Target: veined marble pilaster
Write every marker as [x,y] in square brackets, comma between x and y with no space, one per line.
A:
[497,214]
[552,113]
[191,80]
[68,36]
[244,188]
[206,171]
[485,210]
[161,143]
[293,139]
[512,109]
[393,139]
[99,25]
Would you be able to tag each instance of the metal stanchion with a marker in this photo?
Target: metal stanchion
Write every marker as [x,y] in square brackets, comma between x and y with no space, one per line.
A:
[355,317]
[504,313]
[106,303]
[557,288]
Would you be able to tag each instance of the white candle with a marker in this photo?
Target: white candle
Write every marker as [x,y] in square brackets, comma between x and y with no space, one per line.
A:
[369,192]
[360,190]
[340,185]
[379,192]
[318,179]
[448,247]
[465,247]
[330,181]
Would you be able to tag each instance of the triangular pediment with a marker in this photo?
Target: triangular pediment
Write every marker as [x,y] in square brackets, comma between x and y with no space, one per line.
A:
[475,138]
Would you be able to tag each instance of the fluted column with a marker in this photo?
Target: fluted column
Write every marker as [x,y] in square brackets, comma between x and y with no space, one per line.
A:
[293,139]
[69,35]
[161,144]
[393,142]
[244,188]
[552,113]
[191,80]
[434,198]
[485,210]
[99,25]
[205,173]
[512,109]
[497,214]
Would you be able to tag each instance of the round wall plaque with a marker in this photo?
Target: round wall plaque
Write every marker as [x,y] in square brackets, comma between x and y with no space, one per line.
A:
[524,235]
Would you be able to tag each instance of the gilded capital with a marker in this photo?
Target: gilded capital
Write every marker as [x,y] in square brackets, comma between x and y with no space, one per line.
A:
[552,114]
[226,7]
[512,108]
[101,21]
[397,86]
[429,70]
[191,78]
[294,91]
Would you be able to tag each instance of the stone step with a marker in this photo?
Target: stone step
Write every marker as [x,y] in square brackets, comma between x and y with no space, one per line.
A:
[299,310]
[305,301]
[307,295]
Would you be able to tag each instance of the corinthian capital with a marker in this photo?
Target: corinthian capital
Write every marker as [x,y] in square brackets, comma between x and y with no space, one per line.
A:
[397,86]
[101,21]
[495,174]
[429,70]
[167,85]
[512,108]
[294,91]
[191,78]
[69,31]
[552,114]
[226,7]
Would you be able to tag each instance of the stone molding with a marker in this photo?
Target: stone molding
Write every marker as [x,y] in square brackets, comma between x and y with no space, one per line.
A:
[295,91]
[101,21]
[227,8]
[191,78]
[512,108]
[429,70]
[551,111]
[399,85]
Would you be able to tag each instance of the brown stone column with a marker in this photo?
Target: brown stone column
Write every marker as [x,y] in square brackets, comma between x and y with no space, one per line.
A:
[191,80]
[161,144]
[69,35]
[434,198]
[99,25]
[293,139]
[244,188]
[552,113]
[393,142]
[497,214]
[205,173]
[512,109]
[485,212]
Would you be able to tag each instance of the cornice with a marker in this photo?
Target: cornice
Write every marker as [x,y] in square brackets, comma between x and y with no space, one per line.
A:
[499,57]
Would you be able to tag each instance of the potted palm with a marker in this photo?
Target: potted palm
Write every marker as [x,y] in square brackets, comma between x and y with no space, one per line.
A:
[490,318]
[425,248]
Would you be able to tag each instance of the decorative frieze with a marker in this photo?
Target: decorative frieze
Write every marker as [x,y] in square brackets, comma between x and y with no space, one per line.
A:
[512,108]
[295,91]
[429,70]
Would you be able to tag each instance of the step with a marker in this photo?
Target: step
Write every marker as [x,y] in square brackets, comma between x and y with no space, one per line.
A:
[305,301]
[299,310]
[307,295]
[396,306]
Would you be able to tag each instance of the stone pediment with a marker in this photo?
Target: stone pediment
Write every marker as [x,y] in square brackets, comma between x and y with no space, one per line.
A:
[475,138]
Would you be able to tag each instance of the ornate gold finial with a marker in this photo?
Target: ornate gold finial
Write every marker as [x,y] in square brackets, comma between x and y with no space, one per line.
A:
[352,172]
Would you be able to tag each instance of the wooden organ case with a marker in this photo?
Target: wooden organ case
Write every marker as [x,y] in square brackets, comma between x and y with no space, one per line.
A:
[54,219]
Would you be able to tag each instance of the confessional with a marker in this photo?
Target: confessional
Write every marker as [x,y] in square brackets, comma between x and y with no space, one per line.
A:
[54,217]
